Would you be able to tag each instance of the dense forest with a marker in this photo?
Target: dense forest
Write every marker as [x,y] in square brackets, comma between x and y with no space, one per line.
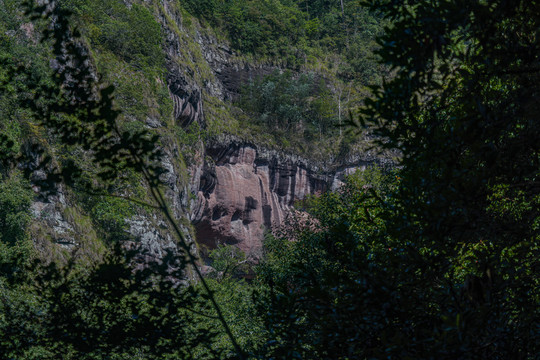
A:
[435,256]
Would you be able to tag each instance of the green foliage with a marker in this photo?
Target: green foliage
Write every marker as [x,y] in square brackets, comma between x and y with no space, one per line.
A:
[17,48]
[441,259]
[344,280]
[460,110]
[360,53]
[111,215]
[444,263]
[190,138]
[252,26]
[294,31]
[127,46]
[203,9]
[279,99]
[285,102]
[326,288]
[298,112]
[15,199]
[238,308]
[438,259]
[228,261]
[15,247]
[291,35]
[109,311]
[131,33]
[81,311]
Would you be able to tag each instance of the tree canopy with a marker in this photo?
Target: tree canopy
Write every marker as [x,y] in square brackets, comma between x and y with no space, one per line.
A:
[451,270]
[436,258]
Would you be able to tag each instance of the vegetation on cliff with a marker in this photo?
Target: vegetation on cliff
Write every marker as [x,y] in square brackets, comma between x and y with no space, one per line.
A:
[299,32]
[443,260]
[438,258]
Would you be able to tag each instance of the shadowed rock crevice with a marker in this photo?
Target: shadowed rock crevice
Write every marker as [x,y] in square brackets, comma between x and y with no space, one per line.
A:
[187,100]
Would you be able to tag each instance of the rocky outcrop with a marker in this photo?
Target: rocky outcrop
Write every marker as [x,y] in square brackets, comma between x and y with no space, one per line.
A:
[235,189]
[233,78]
[247,189]
[187,103]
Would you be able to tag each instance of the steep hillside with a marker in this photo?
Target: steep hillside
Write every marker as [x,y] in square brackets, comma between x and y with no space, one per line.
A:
[147,147]
[245,133]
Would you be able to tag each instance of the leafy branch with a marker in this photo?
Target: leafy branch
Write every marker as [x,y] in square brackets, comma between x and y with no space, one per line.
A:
[81,114]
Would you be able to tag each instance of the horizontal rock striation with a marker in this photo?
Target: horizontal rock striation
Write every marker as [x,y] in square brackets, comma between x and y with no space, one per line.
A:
[248,189]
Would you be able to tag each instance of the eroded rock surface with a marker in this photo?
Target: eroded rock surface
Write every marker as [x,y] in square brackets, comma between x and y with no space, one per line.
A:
[248,189]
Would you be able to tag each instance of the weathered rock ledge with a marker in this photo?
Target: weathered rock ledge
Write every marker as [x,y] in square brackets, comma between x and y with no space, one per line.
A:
[246,189]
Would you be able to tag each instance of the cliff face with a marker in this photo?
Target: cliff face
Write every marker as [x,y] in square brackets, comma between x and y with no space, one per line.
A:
[235,188]
[238,188]
[247,189]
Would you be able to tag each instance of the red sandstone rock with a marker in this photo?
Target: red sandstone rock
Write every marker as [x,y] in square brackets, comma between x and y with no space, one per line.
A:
[247,189]
[246,193]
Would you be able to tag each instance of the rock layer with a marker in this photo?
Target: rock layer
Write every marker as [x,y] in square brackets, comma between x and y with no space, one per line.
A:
[248,189]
